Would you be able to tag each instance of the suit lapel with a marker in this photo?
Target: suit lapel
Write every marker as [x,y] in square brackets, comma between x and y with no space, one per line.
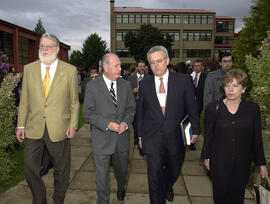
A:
[170,92]
[153,95]
[57,76]
[37,76]
[104,89]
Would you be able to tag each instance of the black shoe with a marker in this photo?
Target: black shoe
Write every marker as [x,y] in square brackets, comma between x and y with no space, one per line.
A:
[192,147]
[170,195]
[121,195]
[9,150]
[17,146]
[45,169]
[141,152]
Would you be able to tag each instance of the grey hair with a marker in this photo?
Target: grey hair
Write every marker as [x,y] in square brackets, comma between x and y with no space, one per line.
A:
[51,37]
[157,49]
[105,61]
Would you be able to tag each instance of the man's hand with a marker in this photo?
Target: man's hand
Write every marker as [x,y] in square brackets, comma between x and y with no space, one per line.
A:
[264,172]
[207,164]
[135,90]
[194,139]
[70,133]
[122,128]
[113,127]
[20,134]
[140,143]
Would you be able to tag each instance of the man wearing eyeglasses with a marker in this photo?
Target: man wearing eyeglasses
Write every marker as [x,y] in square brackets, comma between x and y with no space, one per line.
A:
[47,118]
[164,100]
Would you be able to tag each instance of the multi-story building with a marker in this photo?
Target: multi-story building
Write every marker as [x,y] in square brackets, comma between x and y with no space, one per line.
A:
[197,33]
[21,45]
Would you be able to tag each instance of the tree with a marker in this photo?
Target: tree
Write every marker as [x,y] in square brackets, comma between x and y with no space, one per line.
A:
[143,39]
[93,50]
[76,59]
[253,33]
[39,27]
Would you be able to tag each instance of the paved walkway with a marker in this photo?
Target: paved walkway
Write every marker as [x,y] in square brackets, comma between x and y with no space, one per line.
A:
[192,187]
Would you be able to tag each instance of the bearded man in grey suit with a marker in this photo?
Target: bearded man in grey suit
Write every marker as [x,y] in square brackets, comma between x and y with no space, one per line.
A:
[109,106]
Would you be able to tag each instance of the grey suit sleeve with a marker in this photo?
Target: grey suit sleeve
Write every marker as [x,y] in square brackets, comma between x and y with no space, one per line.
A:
[130,108]
[90,111]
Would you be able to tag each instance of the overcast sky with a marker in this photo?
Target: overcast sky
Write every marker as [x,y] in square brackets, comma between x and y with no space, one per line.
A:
[73,20]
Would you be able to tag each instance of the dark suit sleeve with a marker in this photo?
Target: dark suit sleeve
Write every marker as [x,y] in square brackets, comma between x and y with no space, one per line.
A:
[258,152]
[191,106]
[209,125]
[139,112]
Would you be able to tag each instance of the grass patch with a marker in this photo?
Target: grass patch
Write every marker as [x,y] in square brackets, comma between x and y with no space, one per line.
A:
[81,118]
[17,174]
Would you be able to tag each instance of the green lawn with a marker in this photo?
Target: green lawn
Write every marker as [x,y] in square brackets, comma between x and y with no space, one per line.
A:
[17,174]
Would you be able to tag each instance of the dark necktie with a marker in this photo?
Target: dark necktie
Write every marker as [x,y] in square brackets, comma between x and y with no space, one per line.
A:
[112,92]
[195,80]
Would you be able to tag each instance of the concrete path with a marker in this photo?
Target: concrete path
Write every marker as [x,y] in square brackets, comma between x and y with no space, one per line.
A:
[192,187]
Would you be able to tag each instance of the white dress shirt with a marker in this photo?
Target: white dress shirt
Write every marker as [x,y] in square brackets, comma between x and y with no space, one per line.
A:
[52,70]
[108,84]
[193,74]
[162,97]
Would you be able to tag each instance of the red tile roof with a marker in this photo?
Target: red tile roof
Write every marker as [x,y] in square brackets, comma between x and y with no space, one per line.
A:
[143,10]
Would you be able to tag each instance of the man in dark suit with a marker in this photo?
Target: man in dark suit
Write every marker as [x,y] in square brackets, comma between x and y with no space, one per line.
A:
[198,78]
[109,106]
[164,100]
[134,81]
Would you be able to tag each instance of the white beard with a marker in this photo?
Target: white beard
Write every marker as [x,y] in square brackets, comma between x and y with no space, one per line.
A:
[47,60]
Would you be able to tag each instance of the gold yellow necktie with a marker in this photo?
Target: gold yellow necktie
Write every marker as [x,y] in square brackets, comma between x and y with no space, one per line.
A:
[46,82]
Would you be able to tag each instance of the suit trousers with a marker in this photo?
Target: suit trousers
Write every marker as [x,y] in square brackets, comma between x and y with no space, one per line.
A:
[163,171]
[120,161]
[60,157]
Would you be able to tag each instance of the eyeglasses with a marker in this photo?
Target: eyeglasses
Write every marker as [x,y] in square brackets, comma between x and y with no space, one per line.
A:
[159,61]
[48,47]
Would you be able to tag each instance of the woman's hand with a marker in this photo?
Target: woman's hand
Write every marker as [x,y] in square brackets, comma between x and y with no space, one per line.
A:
[207,164]
[264,172]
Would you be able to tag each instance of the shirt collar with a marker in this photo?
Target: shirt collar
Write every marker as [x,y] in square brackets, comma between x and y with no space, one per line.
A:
[53,65]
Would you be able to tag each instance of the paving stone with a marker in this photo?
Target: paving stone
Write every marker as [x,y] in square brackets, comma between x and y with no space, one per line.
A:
[137,183]
[80,151]
[138,166]
[77,161]
[202,200]
[80,141]
[89,165]
[193,155]
[136,154]
[179,187]
[198,186]
[193,168]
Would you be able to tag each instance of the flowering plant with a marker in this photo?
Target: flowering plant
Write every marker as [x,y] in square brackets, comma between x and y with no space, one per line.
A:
[4,66]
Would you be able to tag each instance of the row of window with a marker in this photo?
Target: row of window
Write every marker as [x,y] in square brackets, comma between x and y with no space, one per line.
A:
[225,26]
[197,36]
[187,53]
[163,19]
[187,36]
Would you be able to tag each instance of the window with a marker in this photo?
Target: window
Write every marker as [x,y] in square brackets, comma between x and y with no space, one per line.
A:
[204,19]
[138,19]
[185,19]
[125,18]
[208,36]
[119,18]
[158,19]
[152,19]
[7,46]
[191,19]
[210,19]
[131,18]
[165,19]
[196,53]
[171,19]
[203,37]
[23,50]
[144,19]
[176,36]
[119,36]
[223,40]
[185,36]
[222,26]
[124,53]
[197,36]
[175,53]
[190,36]
[198,20]
[177,19]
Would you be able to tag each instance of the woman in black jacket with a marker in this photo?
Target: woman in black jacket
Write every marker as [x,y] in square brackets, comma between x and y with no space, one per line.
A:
[232,139]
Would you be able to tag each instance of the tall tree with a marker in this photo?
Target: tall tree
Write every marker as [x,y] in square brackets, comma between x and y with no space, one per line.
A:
[76,59]
[93,50]
[147,36]
[39,27]
[253,33]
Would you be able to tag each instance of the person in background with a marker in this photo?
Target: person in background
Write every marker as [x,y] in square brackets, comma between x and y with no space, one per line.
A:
[48,117]
[213,89]
[233,138]
[181,67]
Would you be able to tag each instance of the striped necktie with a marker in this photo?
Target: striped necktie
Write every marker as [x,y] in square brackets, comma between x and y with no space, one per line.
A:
[112,92]
[46,82]
[162,91]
